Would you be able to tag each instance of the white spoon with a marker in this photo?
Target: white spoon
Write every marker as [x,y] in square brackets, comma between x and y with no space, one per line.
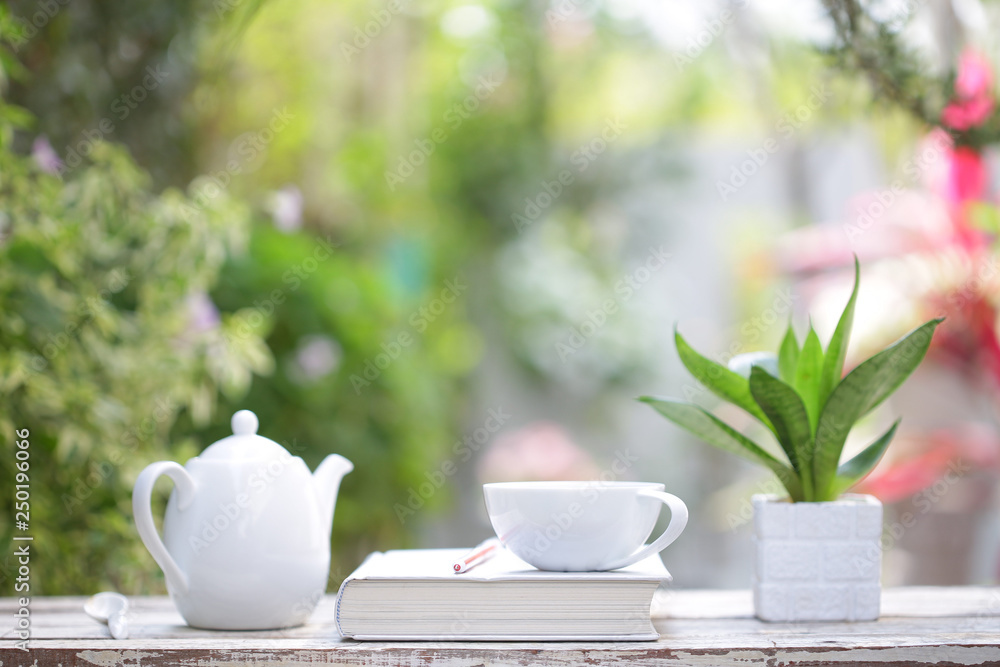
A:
[109,608]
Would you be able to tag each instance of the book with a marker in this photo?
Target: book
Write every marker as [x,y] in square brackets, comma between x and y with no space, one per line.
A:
[415,595]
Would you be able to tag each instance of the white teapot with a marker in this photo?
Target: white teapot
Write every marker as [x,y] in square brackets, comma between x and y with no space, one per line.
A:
[246,534]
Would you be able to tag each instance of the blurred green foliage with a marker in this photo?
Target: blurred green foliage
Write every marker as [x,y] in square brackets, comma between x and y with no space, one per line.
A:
[91,61]
[187,297]
[115,355]
[100,353]
[346,380]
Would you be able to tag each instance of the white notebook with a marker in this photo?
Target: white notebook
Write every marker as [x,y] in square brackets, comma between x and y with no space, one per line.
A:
[415,595]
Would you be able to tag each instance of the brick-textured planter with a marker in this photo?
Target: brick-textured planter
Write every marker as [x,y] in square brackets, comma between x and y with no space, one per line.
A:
[817,561]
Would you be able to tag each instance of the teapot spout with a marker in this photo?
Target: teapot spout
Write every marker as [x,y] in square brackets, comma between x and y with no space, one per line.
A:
[327,483]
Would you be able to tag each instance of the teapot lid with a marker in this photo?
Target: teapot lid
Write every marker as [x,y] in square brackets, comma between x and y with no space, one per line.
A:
[244,444]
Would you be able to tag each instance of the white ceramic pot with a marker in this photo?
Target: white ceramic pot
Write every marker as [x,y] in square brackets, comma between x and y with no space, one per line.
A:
[817,561]
[246,533]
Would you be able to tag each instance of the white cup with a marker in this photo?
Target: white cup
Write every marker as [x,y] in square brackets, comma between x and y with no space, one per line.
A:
[581,526]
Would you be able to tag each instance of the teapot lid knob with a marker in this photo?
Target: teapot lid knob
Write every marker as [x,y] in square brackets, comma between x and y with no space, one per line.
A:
[244,444]
[244,423]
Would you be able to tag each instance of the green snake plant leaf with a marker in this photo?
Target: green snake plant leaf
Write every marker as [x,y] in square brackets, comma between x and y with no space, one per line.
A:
[714,431]
[791,422]
[859,393]
[833,362]
[851,472]
[722,382]
[788,356]
[807,376]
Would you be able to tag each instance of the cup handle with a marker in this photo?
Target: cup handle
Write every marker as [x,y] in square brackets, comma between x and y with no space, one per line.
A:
[142,497]
[678,520]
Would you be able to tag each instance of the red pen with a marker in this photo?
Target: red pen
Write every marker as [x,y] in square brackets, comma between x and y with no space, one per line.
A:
[479,554]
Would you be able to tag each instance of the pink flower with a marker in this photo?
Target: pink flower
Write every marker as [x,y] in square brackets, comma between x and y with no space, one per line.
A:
[286,209]
[202,314]
[45,156]
[973,103]
[961,115]
[967,176]
[317,356]
[917,460]
[541,451]
[975,76]
[967,184]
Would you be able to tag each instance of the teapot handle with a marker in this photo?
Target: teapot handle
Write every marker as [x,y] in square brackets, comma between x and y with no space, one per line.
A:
[142,496]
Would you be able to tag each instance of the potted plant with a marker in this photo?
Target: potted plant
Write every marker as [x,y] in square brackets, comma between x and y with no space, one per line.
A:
[817,550]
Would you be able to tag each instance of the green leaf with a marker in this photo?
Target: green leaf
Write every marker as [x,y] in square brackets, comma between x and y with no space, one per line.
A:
[807,376]
[716,432]
[854,470]
[721,381]
[788,355]
[862,391]
[833,362]
[791,422]
[17,116]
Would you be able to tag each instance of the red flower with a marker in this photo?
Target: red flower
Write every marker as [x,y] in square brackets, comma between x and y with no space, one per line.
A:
[973,103]
[967,176]
[967,184]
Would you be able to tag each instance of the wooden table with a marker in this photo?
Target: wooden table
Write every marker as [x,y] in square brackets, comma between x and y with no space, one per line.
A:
[959,626]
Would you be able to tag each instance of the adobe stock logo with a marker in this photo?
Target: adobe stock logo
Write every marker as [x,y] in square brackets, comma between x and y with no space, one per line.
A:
[786,126]
[380,20]
[624,289]
[707,33]
[419,320]
[27,28]
[584,156]
[462,450]
[458,113]
[122,106]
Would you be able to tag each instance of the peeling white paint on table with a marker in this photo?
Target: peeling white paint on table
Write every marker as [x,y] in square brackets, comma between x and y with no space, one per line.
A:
[957,626]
